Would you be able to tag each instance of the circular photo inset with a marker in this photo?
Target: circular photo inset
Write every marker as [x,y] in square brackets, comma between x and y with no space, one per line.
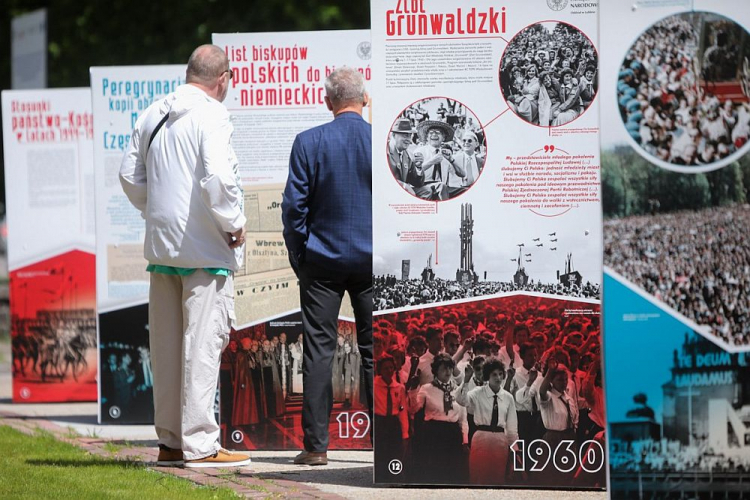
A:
[548,73]
[436,149]
[682,92]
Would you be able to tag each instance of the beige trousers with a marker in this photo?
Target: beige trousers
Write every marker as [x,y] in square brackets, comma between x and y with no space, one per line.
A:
[189,322]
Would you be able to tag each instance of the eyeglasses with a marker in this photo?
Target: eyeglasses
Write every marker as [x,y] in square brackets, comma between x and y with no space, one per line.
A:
[231,73]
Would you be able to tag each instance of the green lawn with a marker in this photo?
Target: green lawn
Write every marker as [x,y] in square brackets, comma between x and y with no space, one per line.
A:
[41,467]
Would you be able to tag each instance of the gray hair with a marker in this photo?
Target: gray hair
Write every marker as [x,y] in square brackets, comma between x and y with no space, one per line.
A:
[206,64]
[345,85]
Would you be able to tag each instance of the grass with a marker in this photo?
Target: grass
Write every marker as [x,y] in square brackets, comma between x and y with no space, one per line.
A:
[41,467]
[113,448]
[92,433]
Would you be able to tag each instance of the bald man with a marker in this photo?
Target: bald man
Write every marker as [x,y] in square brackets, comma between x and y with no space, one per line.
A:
[180,171]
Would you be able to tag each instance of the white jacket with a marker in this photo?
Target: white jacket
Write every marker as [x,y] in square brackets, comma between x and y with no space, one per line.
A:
[187,184]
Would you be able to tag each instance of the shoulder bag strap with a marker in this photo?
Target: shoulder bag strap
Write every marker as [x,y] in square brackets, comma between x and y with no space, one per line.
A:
[156,130]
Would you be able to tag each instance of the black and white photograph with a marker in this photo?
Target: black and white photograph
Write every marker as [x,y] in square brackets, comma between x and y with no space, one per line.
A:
[126,378]
[436,149]
[549,74]
[682,91]
[554,259]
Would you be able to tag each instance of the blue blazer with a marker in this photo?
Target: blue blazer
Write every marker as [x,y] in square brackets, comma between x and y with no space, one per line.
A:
[327,205]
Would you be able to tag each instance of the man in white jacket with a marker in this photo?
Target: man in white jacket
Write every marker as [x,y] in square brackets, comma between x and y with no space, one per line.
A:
[180,171]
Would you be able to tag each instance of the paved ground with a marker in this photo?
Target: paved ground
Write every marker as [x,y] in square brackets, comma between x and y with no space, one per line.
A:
[272,475]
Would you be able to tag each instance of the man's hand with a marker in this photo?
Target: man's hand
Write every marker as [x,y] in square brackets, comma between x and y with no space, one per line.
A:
[407,188]
[435,160]
[238,238]
[468,373]
[418,160]
[551,364]
[533,374]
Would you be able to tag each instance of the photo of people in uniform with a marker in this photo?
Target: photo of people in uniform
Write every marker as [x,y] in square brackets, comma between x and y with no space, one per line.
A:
[53,330]
[682,90]
[548,74]
[436,149]
[458,386]
[261,387]
[54,346]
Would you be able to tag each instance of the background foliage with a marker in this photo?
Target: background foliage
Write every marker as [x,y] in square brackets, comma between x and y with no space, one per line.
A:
[81,34]
[629,182]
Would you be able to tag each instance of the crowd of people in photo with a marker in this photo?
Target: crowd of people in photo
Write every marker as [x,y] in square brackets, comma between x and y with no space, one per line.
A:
[457,385]
[126,377]
[392,293]
[697,263]
[668,95]
[261,373]
[662,456]
[548,74]
[436,149]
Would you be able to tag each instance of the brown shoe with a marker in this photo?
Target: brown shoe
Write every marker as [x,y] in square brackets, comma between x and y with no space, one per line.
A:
[222,458]
[169,456]
[311,458]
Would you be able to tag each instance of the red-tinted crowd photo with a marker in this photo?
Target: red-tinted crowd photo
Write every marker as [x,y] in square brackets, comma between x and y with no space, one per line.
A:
[506,391]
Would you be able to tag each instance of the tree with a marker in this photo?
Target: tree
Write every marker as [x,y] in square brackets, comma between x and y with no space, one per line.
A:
[139,32]
[726,185]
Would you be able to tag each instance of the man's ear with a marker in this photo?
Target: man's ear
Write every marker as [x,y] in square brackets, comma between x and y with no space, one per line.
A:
[329,104]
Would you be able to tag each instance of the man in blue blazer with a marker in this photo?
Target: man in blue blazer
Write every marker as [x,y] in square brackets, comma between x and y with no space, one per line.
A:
[327,216]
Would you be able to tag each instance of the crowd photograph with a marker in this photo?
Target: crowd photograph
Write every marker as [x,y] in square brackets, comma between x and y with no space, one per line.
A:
[549,74]
[696,262]
[682,91]
[392,293]
[464,392]
[436,149]
[261,385]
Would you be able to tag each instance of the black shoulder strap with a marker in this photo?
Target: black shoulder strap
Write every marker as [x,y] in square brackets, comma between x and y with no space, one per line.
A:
[156,130]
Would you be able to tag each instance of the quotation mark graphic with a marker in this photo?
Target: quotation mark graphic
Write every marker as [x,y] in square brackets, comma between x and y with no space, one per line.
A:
[395,467]
[549,149]
[115,412]
[237,436]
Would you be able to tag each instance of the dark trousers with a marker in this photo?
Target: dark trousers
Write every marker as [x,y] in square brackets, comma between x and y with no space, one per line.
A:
[321,293]
[530,426]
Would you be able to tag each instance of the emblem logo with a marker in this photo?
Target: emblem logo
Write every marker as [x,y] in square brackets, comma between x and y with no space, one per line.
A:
[364,50]
[557,5]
